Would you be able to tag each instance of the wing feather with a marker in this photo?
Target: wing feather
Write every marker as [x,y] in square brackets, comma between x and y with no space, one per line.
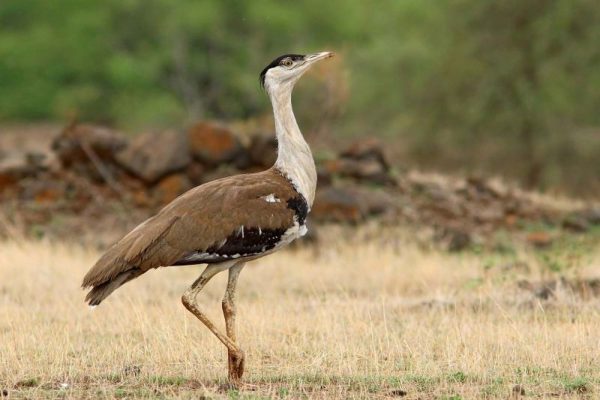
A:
[197,220]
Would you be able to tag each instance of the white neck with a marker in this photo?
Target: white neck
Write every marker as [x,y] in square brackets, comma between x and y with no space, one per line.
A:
[294,158]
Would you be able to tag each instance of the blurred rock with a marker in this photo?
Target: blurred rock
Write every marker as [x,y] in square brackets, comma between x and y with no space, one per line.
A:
[70,146]
[151,156]
[323,177]
[590,215]
[195,172]
[44,191]
[478,187]
[263,151]
[373,202]
[367,149]
[453,239]
[337,205]
[576,223]
[539,239]
[350,204]
[17,166]
[364,161]
[370,171]
[213,144]
[12,169]
[221,172]
[459,240]
[168,188]
[94,166]
[440,202]
[40,161]
[141,198]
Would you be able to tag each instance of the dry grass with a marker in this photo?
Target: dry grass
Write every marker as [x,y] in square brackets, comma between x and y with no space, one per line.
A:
[353,321]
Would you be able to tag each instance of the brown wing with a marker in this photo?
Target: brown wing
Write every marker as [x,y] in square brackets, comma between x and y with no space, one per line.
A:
[196,222]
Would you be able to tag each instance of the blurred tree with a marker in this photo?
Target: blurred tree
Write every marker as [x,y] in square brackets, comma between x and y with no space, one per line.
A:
[508,86]
[518,73]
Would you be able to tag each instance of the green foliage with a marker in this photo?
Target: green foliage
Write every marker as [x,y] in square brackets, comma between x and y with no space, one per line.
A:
[569,252]
[459,377]
[575,384]
[516,72]
[150,62]
[28,382]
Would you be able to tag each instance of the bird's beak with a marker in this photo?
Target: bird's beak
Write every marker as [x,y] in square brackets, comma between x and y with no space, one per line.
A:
[313,58]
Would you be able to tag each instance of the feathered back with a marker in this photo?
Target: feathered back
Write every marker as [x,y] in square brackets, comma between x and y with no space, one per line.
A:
[203,218]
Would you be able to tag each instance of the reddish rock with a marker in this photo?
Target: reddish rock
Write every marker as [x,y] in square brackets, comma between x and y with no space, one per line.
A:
[338,205]
[12,169]
[539,239]
[140,198]
[213,144]
[44,191]
[170,187]
[511,220]
[17,166]
[151,156]
[195,172]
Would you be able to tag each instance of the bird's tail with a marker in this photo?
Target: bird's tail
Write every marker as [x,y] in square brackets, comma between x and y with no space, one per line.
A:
[103,290]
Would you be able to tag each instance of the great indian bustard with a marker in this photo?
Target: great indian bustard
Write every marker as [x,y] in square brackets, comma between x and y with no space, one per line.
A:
[227,222]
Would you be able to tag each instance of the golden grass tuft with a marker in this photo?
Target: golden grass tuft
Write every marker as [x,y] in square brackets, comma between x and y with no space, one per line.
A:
[352,320]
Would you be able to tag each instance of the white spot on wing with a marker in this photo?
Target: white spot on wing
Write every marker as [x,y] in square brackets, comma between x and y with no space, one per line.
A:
[271,198]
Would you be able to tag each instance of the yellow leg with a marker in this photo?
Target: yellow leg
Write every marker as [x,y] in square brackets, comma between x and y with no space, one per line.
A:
[235,359]
[189,301]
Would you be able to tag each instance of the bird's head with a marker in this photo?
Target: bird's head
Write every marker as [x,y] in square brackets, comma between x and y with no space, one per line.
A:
[284,71]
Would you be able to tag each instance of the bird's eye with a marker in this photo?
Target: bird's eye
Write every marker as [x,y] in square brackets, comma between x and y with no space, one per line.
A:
[287,62]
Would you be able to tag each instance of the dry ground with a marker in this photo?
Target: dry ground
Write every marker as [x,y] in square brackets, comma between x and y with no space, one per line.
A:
[353,320]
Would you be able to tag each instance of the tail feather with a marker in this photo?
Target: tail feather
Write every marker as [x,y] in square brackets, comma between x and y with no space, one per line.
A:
[103,290]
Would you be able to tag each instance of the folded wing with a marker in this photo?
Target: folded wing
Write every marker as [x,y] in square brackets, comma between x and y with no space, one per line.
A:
[235,217]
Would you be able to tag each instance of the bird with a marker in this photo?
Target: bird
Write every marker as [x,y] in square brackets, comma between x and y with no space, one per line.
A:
[226,222]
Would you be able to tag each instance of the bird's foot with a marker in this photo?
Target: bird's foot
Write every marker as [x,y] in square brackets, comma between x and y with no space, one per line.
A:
[236,368]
